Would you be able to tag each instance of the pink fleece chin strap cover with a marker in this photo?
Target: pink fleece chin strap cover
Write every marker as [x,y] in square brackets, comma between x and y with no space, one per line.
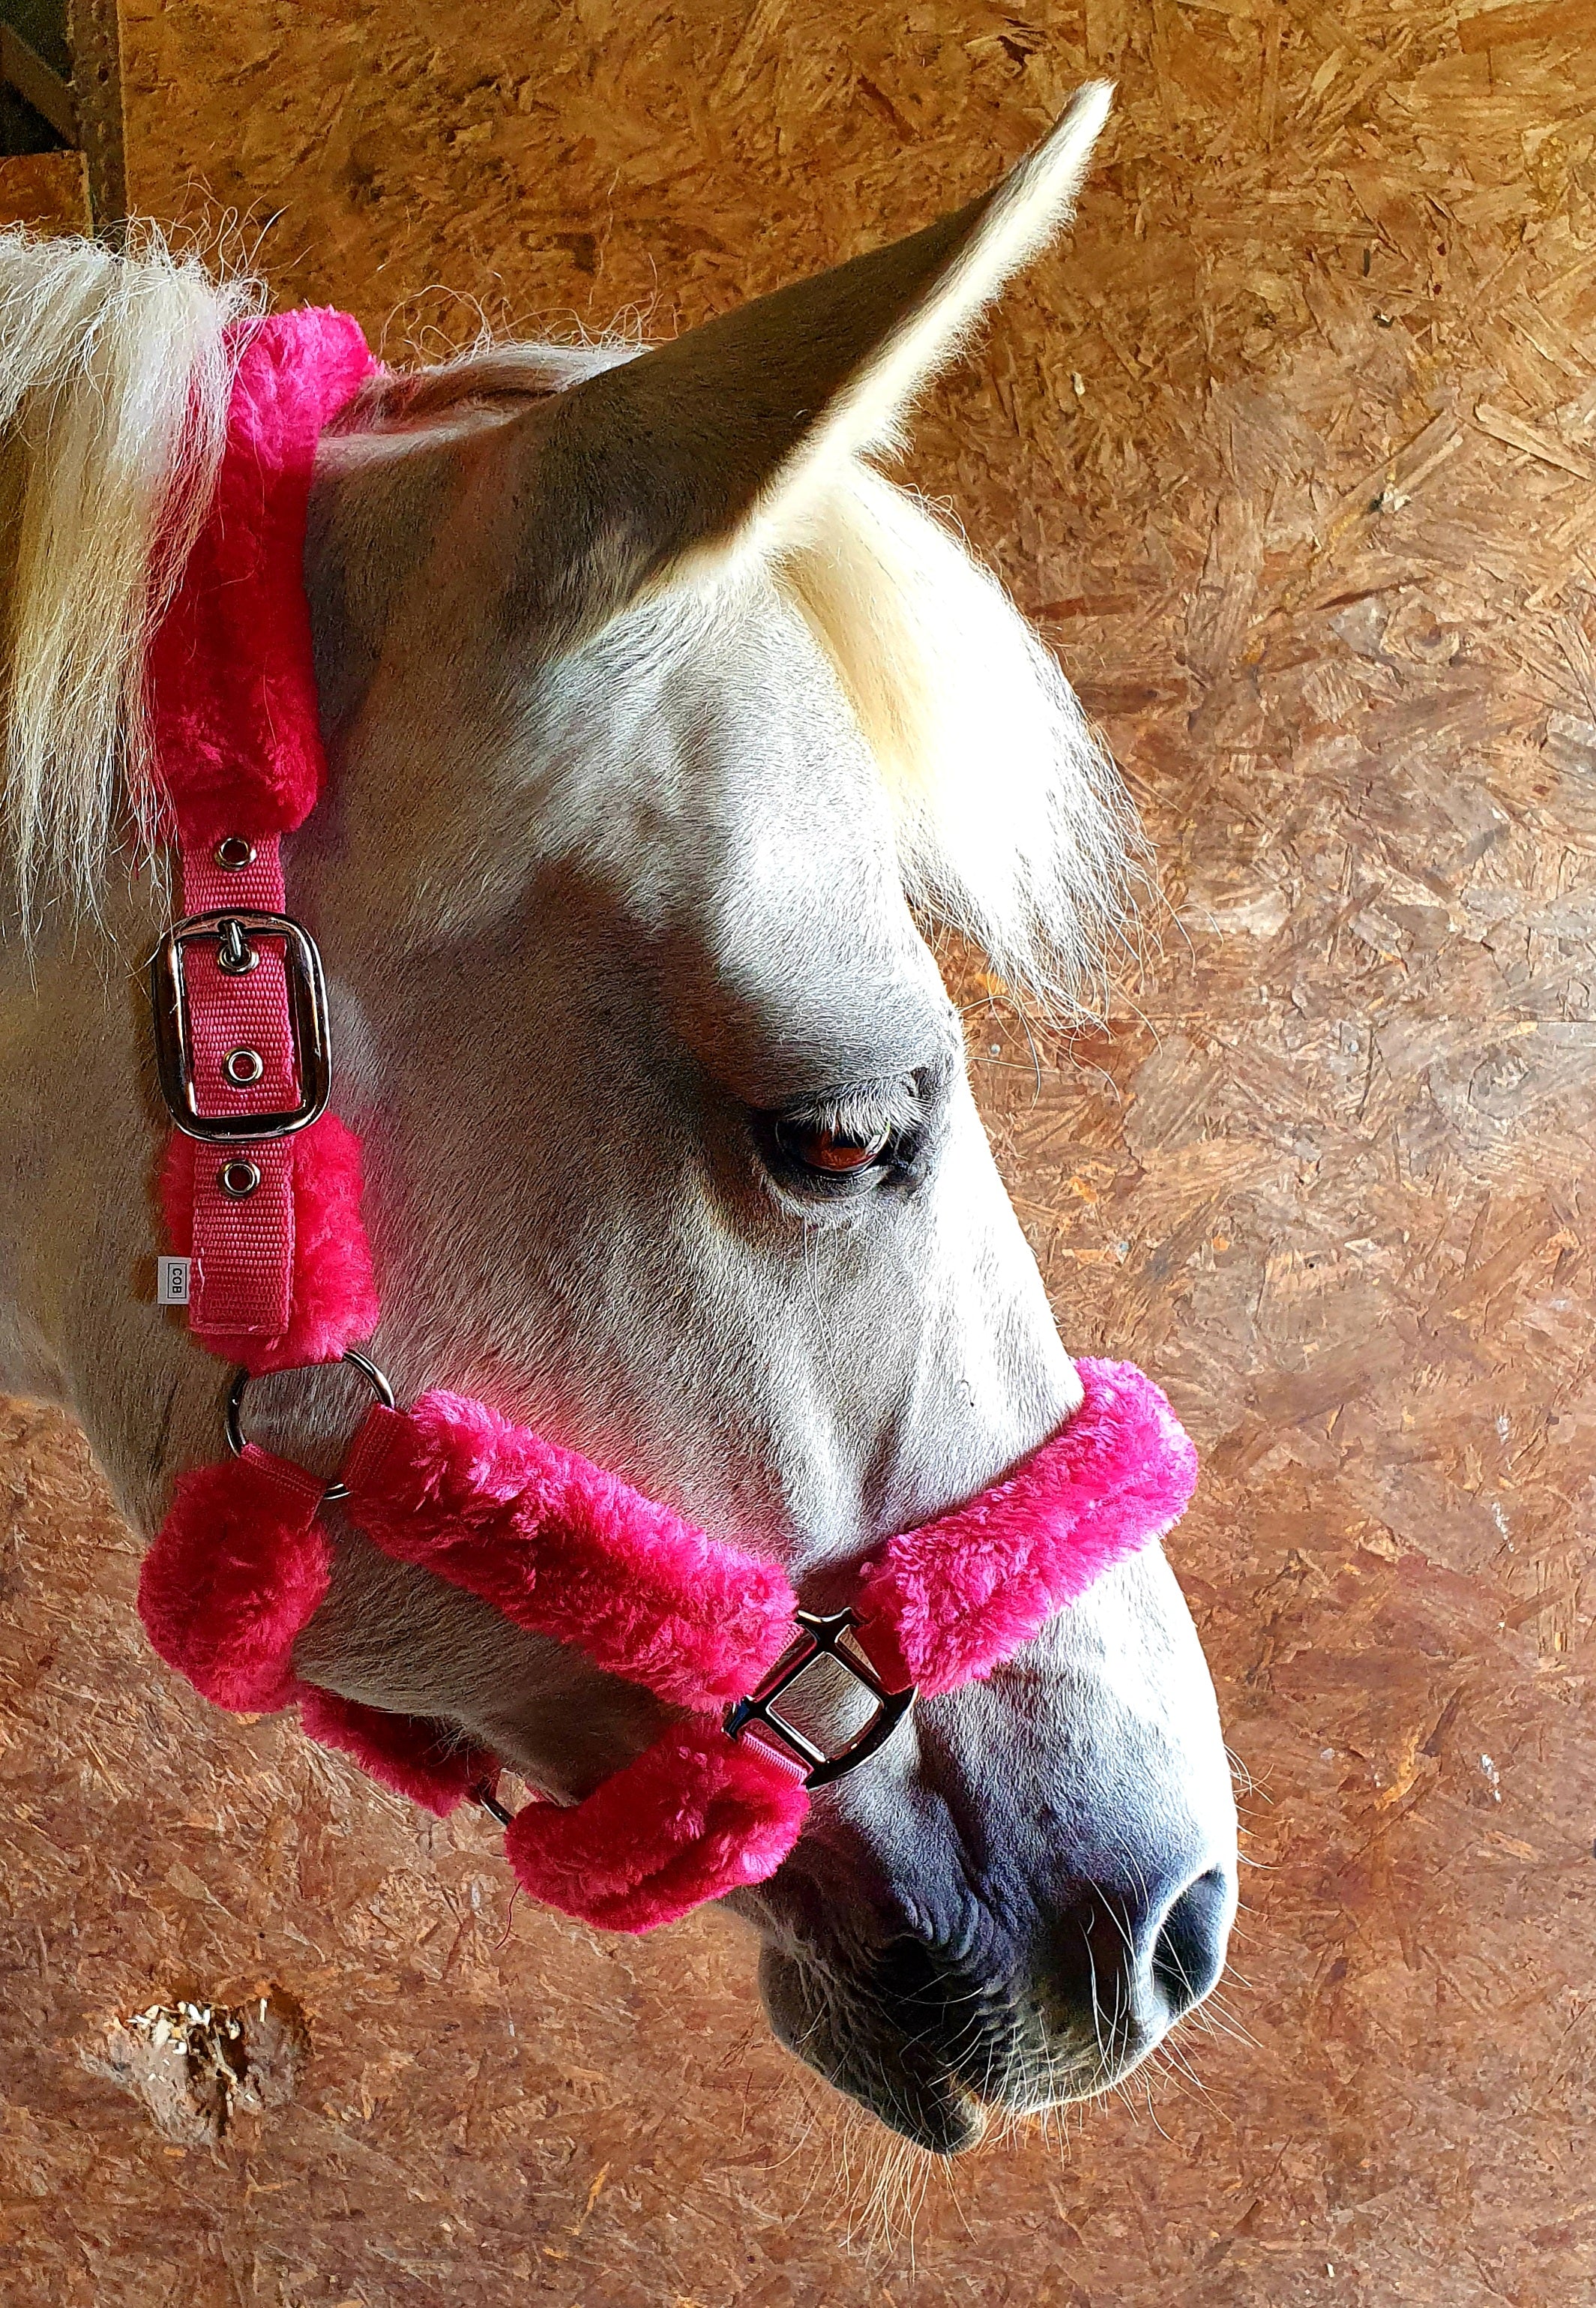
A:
[282,1277]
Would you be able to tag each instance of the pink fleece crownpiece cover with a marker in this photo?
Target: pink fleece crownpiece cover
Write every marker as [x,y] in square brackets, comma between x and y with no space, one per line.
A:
[562,1547]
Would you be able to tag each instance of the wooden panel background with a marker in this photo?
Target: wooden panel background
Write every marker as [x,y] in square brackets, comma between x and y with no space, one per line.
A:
[1291,450]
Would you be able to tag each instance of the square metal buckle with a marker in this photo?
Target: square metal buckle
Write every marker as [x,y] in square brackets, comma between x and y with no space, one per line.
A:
[307,1015]
[822,1638]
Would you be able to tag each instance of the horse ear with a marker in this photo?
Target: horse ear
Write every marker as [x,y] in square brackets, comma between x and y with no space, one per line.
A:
[718,442]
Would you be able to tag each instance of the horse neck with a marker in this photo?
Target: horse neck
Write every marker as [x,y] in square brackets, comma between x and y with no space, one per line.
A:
[80,1142]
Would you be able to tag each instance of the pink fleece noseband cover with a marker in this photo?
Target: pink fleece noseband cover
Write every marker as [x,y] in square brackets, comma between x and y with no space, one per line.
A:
[281,1276]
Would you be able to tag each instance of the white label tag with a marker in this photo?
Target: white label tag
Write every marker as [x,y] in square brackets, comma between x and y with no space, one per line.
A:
[171,1281]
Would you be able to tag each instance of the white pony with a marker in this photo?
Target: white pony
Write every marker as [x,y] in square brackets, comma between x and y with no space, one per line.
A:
[658,725]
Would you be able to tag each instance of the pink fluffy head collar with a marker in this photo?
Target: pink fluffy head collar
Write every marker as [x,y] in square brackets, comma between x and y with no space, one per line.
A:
[261,1192]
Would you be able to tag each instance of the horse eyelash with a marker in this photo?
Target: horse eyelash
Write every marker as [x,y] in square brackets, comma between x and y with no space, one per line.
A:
[865,1110]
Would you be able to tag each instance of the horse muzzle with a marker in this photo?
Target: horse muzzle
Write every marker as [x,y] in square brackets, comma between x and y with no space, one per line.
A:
[933,2044]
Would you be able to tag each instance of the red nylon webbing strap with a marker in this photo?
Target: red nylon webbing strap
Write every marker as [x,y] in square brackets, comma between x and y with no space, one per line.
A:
[241,1283]
[771,1748]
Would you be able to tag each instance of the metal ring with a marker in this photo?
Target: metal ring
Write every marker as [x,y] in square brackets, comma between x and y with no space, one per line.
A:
[232,1419]
[490,1803]
[232,853]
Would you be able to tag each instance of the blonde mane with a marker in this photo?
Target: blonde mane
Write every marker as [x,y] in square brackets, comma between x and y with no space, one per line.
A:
[114,388]
[1012,826]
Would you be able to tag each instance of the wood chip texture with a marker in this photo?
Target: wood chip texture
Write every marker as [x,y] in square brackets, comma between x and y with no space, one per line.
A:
[47,192]
[1289,448]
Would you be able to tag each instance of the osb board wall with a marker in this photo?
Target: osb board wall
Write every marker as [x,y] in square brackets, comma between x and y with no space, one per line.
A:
[47,192]
[1291,450]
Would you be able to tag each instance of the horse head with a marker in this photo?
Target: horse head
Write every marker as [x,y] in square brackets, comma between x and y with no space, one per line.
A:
[663,730]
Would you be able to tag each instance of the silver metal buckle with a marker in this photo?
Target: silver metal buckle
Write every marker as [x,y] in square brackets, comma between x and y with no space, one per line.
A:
[822,1638]
[232,930]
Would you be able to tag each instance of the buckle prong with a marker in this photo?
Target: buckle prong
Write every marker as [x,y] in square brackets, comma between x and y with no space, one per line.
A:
[235,955]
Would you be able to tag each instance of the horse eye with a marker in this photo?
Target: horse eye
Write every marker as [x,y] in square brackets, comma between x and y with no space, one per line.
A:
[832,1152]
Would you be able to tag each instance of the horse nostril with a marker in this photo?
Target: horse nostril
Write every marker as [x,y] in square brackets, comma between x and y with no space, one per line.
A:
[1127,1967]
[1188,1954]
